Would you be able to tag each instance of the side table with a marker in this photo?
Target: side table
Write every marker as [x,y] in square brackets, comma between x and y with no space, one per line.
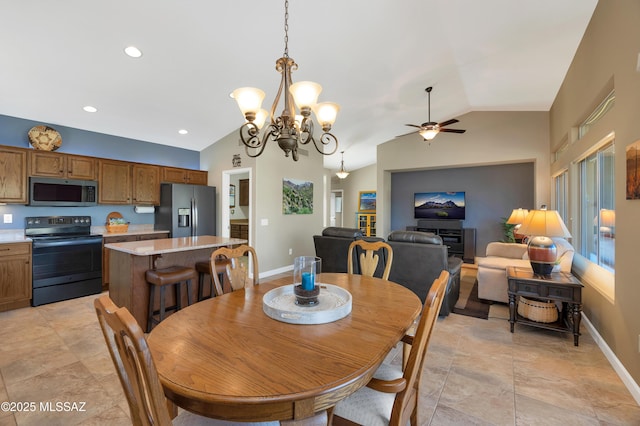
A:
[561,286]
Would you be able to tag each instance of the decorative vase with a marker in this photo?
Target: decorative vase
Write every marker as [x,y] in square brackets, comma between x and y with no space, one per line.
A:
[542,255]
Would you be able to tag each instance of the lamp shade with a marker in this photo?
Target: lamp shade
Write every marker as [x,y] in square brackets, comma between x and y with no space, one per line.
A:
[305,93]
[546,223]
[517,216]
[326,113]
[249,99]
[429,133]
[541,225]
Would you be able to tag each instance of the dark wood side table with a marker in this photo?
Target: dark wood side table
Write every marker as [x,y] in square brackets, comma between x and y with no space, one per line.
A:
[561,286]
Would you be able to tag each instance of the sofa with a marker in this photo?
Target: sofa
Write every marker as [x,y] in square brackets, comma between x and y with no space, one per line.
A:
[418,259]
[333,248]
[492,269]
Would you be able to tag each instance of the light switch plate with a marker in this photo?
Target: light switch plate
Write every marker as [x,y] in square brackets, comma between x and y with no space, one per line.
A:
[264,222]
[8,218]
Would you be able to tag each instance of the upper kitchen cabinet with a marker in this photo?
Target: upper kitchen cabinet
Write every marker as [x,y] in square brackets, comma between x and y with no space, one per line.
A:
[120,182]
[51,164]
[177,175]
[244,192]
[114,182]
[13,175]
[146,184]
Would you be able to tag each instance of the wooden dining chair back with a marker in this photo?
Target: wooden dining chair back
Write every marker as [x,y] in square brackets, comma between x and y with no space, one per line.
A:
[369,257]
[391,397]
[236,269]
[139,379]
[133,362]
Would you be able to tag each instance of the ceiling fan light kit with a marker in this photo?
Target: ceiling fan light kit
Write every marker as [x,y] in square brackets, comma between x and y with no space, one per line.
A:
[289,129]
[430,129]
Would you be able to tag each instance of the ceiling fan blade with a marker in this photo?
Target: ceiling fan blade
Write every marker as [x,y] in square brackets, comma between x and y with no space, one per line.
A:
[453,130]
[413,125]
[446,123]
[405,134]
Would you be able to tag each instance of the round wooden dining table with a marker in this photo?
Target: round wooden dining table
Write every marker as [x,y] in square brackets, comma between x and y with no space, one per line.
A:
[225,358]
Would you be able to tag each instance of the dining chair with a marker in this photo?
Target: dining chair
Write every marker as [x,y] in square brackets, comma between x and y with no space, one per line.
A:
[236,269]
[139,379]
[392,395]
[368,260]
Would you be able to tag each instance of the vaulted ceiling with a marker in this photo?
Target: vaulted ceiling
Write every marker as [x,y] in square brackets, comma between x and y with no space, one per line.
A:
[373,57]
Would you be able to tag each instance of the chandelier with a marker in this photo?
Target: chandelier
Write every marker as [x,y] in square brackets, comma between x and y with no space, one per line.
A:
[342,173]
[289,130]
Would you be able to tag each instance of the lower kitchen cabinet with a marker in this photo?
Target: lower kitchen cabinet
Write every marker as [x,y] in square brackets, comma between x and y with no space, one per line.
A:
[123,238]
[239,230]
[15,276]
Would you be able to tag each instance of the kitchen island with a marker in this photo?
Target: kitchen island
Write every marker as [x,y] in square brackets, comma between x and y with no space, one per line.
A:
[129,261]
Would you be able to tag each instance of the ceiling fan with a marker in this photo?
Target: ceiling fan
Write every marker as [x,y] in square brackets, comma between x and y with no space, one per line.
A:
[430,129]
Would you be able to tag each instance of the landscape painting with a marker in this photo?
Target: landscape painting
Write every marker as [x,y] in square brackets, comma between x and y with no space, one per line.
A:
[633,171]
[297,196]
[367,202]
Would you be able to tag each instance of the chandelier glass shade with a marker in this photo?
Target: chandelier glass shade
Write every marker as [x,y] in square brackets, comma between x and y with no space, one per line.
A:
[292,127]
[342,173]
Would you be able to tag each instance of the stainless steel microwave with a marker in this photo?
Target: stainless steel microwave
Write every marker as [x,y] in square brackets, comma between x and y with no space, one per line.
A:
[62,192]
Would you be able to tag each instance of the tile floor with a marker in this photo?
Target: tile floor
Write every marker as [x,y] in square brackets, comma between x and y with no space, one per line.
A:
[477,373]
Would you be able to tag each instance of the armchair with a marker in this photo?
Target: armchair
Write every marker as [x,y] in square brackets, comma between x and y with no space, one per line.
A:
[418,259]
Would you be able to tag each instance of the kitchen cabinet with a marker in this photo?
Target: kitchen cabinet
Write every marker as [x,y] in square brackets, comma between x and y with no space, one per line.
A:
[178,175]
[120,182]
[123,238]
[146,184]
[114,182]
[366,222]
[52,164]
[239,230]
[13,175]
[243,198]
[15,275]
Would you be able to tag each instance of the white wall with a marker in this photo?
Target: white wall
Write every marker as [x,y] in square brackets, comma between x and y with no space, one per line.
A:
[273,233]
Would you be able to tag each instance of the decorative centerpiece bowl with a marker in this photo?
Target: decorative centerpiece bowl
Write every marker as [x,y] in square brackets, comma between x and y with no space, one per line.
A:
[306,297]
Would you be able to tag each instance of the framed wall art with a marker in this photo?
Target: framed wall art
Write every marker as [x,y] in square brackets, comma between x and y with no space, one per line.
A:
[633,171]
[297,196]
[232,196]
[367,202]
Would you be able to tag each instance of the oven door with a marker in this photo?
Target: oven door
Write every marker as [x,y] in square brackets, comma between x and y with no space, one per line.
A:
[65,268]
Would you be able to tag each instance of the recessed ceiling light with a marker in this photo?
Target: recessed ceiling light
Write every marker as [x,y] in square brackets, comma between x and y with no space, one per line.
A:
[183,131]
[133,51]
[89,108]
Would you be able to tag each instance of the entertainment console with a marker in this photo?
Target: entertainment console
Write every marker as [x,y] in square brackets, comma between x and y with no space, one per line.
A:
[460,241]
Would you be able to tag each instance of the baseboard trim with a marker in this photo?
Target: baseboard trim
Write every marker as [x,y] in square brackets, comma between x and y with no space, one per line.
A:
[622,372]
[276,271]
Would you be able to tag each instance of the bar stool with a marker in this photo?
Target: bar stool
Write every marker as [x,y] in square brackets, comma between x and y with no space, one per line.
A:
[174,276]
[204,268]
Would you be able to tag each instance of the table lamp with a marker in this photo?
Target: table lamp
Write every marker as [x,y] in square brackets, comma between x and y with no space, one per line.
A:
[540,226]
[516,218]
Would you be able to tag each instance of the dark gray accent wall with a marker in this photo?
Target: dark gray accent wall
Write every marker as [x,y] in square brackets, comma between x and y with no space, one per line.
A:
[491,193]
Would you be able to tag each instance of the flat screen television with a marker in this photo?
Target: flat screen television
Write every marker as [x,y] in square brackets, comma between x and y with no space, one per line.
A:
[439,205]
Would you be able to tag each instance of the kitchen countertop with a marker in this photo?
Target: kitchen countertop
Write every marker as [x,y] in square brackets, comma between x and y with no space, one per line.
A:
[13,236]
[172,245]
[133,230]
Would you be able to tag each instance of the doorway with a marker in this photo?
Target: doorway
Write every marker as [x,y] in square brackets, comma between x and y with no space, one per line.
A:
[236,203]
[335,207]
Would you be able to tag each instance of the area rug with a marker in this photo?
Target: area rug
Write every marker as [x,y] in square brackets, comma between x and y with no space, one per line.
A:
[471,306]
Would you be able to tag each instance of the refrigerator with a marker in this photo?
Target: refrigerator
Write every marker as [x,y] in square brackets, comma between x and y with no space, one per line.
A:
[186,210]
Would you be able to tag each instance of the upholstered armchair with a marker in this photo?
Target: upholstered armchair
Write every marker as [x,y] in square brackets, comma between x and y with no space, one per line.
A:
[333,247]
[418,259]
[492,269]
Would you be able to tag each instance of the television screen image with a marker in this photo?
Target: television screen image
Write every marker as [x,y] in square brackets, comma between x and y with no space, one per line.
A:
[439,205]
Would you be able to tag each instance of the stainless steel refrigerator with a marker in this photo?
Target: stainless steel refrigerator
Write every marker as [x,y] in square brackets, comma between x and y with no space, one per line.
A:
[186,210]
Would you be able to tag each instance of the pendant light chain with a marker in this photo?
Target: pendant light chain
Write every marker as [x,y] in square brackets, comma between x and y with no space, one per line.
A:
[286,29]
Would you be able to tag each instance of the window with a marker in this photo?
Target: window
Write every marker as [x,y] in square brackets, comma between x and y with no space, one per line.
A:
[561,183]
[597,207]
[600,110]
